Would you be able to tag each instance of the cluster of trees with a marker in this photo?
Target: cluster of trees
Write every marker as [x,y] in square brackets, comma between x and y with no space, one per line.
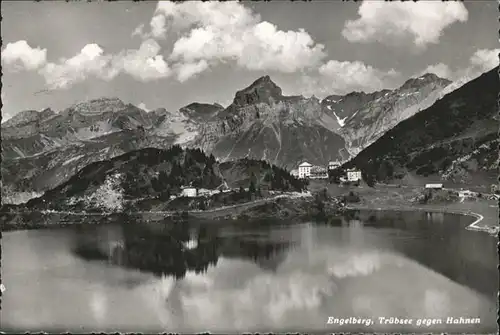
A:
[334,175]
[273,177]
[368,178]
[280,179]
[178,168]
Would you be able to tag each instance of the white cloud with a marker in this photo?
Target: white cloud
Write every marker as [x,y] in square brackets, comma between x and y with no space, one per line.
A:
[143,64]
[335,77]
[188,70]
[20,55]
[267,48]
[89,61]
[485,59]
[395,22]
[481,61]
[158,28]
[353,74]
[217,32]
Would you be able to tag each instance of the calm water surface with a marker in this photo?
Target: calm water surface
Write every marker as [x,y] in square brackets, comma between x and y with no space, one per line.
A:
[267,276]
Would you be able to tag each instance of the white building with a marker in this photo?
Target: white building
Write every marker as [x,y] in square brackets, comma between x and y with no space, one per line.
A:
[295,173]
[353,175]
[333,165]
[203,192]
[188,192]
[318,172]
[434,186]
[305,170]
[466,194]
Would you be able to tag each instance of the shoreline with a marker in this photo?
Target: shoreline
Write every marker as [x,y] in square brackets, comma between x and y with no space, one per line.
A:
[492,230]
[249,204]
[152,216]
[232,211]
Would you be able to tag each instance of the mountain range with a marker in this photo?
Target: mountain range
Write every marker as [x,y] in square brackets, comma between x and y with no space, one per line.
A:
[41,150]
[455,139]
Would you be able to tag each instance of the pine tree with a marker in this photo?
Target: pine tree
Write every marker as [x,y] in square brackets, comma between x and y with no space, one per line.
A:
[251,188]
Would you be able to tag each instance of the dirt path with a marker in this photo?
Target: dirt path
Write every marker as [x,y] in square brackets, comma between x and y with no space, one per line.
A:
[225,210]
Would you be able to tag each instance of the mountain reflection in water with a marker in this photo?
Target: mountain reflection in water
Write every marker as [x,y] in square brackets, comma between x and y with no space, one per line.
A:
[134,276]
[169,249]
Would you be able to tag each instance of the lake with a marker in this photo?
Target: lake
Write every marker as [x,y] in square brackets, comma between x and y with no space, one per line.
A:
[132,276]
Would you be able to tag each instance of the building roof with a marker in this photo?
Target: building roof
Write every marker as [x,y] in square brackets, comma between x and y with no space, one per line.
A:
[305,164]
[433,185]
[333,162]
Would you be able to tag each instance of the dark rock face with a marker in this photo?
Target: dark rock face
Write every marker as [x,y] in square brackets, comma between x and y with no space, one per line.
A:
[263,90]
[456,138]
[201,112]
[261,123]
[424,80]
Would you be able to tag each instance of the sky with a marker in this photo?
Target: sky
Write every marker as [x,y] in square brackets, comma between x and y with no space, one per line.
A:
[168,55]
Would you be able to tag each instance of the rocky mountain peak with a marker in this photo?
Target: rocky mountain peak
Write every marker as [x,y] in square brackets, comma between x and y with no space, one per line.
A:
[201,106]
[261,90]
[355,94]
[425,80]
[47,111]
[99,105]
[200,111]
[264,80]
[159,111]
[22,117]
[333,97]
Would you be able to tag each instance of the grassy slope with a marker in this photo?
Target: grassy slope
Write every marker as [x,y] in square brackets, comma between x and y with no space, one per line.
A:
[392,197]
[429,142]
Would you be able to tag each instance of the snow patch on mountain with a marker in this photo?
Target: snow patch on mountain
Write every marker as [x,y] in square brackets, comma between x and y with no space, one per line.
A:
[186,137]
[339,120]
[179,125]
